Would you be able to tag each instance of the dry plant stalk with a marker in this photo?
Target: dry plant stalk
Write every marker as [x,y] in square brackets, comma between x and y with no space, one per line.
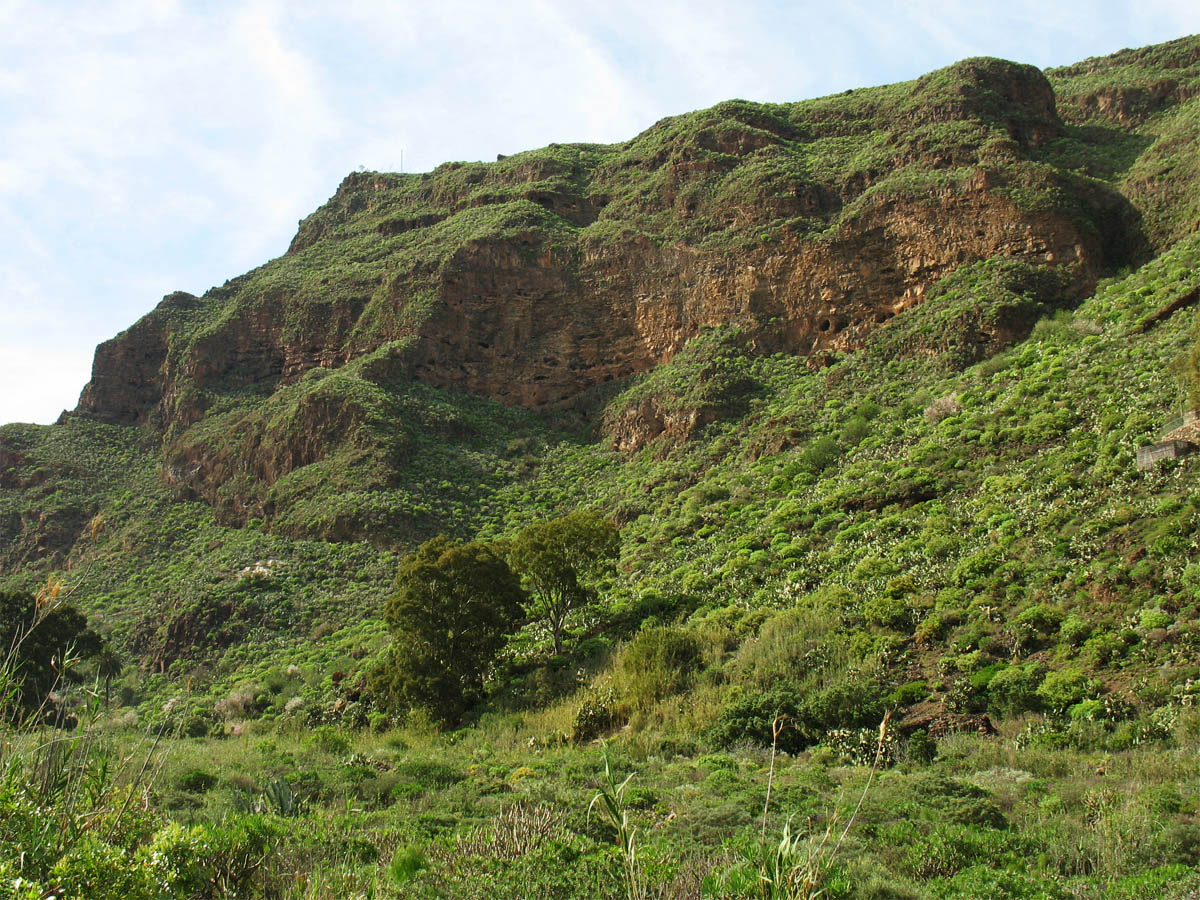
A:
[516,831]
[797,868]
[776,727]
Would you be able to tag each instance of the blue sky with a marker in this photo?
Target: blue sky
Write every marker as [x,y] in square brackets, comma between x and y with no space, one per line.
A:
[148,146]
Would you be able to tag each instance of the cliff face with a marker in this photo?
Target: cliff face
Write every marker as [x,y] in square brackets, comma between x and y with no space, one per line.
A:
[538,334]
[539,277]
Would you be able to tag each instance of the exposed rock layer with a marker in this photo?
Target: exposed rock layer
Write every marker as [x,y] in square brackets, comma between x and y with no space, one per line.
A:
[532,281]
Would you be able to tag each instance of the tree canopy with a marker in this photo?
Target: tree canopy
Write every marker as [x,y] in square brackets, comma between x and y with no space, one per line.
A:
[561,560]
[454,604]
[34,643]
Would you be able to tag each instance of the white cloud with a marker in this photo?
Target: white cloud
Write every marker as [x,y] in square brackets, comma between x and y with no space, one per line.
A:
[40,381]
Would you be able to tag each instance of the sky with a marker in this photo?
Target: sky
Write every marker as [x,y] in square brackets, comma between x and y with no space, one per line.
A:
[148,146]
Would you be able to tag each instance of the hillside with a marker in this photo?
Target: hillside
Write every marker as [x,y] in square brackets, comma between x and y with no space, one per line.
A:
[860,379]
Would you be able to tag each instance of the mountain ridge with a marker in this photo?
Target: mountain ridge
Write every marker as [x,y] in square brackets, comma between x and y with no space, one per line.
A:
[537,279]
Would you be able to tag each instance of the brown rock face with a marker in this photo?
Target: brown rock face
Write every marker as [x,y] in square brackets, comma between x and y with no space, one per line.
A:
[1131,106]
[128,375]
[532,325]
[538,334]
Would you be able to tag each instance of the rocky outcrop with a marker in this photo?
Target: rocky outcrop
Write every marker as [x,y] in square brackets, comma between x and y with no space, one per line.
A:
[1131,106]
[539,278]
[535,317]
[994,90]
[643,423]
[539,332]
[128,376]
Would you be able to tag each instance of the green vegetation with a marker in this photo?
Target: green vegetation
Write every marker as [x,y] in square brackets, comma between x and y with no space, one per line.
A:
[401,641]
[562,559]
[36,658]
[452,610]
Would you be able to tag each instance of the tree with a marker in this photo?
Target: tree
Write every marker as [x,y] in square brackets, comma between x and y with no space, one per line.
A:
[35,643]
[453,607]
[108,666]
[561,560]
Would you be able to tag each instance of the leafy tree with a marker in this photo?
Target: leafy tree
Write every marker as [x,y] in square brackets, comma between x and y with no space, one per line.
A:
[452,609]
[34,642]
[561,560]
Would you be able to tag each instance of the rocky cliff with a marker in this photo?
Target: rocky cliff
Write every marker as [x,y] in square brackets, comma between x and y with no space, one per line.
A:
[539,277]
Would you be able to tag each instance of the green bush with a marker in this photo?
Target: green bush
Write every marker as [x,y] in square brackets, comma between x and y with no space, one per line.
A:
[597,712]
[660,662]
[820,455]
[429,774]
[407,862]
[1014,690]
[889,612]
[1064,688]
[922,749]
[1074,631]
[908,694]
[97,870]
[197,781]
[1034,624]
[329,739]
[211,860]
[748,717]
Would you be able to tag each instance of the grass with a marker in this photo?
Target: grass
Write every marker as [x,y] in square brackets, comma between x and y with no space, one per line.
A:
[984,812]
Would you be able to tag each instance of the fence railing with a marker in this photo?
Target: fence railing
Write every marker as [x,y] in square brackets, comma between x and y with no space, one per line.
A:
[1192,415]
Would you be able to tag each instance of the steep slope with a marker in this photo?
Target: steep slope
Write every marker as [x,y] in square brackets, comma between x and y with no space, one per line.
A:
[542,276]
[927,513]
[666,290]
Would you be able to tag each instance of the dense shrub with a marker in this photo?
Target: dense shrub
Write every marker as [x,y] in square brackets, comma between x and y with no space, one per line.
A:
[1064,688]
[1014,690]
[748,717]
[660,662]
[454,605]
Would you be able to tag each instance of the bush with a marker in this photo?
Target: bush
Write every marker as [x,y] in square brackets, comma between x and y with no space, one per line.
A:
[329,739]
[454,605]
[197,781]
[97,870]
[407,862]
[660,662]
[597,713]
[941,409]
[1102,648]
[820,455]
[1034,624]
[889,612]
[1074,631]
[429,774]
[1179,843]
[908,694]
[212,860]
[809,715]
[1063,689]
[922,749]
[1014,690]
